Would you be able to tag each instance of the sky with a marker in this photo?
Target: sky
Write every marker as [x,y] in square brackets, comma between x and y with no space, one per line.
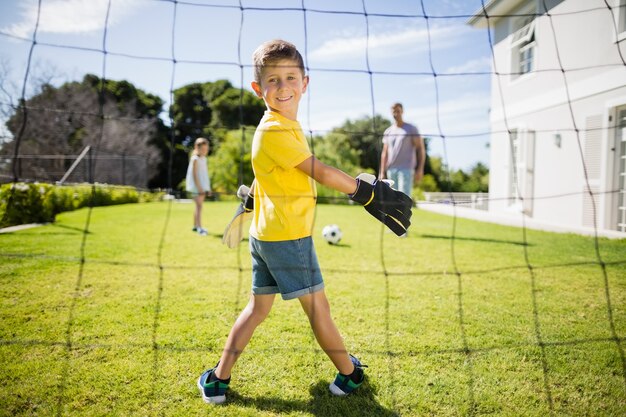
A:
[210,38]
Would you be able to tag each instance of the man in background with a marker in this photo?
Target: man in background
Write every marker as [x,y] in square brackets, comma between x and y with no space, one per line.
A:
[403,155]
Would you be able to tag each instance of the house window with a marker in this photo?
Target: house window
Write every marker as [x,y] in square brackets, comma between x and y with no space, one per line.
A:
[523,46]
[526,59]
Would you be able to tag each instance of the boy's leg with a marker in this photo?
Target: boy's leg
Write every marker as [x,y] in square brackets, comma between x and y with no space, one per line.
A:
[252,315]
[317,309]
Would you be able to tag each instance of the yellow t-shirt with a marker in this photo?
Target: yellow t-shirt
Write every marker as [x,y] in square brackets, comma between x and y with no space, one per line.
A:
[284,196]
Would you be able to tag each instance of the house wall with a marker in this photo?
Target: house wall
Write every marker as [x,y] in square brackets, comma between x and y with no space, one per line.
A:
[538,101]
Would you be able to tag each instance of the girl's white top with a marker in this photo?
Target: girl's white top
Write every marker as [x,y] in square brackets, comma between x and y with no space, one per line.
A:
[203,175]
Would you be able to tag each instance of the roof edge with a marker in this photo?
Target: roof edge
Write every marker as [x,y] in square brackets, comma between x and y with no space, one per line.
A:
[495,8]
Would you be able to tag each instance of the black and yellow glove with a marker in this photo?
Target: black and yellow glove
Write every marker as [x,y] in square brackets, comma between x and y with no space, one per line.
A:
[389,206]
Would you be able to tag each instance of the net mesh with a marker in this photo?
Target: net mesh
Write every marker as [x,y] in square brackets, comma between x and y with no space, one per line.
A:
[105,166]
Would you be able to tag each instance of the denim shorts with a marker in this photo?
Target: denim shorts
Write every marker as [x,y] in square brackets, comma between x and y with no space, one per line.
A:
[288,267]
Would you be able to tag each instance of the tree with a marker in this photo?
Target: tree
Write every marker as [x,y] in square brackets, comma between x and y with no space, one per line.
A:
[63,120]
[191,114]
[235,107]
[41,74]
[365,135]
[433,179]
[199,108]
[336,150]
[230,165]
[210,110]
[477,180]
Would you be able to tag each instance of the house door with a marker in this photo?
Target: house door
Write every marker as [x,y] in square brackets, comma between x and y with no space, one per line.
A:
[522,171]
[620,147]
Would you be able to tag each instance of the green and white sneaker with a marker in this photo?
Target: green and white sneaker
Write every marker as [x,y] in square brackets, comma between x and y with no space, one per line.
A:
[212,388]
[345,384]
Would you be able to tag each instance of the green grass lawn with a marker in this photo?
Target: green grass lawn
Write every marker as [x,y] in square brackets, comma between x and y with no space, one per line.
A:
[129,331]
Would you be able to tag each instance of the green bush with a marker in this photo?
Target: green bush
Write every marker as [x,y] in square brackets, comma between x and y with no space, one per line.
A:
[335,150]
[228,159]
[150,196]
[428,183]
[22,203]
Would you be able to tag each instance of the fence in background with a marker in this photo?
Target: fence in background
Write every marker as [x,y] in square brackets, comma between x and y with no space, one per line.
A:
[477,201]
[119,169]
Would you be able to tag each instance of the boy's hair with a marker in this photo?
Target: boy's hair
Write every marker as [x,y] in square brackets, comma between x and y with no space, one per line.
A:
[272,51]
[395,105]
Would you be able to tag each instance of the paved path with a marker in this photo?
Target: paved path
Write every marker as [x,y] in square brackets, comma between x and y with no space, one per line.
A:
[19,227]
[515,220]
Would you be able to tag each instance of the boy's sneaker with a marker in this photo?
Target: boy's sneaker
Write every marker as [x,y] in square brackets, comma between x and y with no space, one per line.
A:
[194,229]
[345,384]
[212,388]
[202,231]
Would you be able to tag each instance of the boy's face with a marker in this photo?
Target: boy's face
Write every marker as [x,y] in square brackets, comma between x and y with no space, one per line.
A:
[281,87]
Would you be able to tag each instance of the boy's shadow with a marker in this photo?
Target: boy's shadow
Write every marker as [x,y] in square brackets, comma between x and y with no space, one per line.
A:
[323,404]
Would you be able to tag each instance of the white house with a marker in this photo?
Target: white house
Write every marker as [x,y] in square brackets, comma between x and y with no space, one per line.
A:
[531,99]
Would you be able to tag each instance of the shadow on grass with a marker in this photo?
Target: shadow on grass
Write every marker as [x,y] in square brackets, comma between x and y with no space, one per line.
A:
[216,235]
[221,236]
[339,245]
[361,402]
[476,239]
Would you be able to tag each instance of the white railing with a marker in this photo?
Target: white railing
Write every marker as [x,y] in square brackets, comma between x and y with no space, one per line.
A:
[476,201]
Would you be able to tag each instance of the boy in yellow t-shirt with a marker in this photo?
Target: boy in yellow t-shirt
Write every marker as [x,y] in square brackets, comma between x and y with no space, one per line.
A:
[282,201]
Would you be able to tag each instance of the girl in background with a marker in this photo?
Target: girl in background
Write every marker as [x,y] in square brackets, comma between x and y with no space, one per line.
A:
[197,181]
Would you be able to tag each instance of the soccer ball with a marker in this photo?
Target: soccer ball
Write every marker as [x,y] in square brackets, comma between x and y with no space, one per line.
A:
[332,234]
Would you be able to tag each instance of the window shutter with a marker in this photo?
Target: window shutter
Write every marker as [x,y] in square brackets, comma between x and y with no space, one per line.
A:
[529,173]
[592,151]
[588,213]
[593,145]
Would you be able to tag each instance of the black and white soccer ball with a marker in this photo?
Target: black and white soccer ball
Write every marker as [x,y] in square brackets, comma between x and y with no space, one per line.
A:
[332,234]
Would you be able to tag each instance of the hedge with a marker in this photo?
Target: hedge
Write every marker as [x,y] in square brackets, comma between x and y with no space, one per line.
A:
[40,202]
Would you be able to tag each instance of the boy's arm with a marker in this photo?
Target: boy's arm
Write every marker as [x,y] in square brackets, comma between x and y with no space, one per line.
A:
[389,206]
[327,175]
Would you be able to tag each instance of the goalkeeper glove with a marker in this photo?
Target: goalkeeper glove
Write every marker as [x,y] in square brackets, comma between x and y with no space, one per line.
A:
[233,234]
[391,207]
